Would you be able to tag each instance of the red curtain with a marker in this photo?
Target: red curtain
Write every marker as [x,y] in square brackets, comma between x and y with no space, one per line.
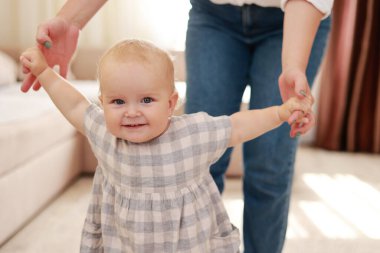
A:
[349,103]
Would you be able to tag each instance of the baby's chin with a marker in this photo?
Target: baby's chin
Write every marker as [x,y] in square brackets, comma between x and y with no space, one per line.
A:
[137,139]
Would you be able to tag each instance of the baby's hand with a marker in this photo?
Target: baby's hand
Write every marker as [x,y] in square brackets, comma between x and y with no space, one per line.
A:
[33,61]
[303,115]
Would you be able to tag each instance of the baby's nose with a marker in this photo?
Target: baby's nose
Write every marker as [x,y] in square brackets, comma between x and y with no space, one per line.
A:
[132,111]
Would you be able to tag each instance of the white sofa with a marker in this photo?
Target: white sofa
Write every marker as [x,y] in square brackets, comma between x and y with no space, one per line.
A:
[40,152]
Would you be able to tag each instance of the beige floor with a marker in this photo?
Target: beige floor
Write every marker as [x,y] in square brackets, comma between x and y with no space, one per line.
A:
[335,208]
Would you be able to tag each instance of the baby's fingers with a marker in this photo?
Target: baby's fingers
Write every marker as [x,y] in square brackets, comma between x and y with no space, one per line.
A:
[26,63]
[25,70]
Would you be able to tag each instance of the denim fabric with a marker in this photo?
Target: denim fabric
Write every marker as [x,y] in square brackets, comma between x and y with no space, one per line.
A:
[227,48]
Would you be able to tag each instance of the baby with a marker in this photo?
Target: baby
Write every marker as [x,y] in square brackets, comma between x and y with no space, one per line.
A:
[152,190]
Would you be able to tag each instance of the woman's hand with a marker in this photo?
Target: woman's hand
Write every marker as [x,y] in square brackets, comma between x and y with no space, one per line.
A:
[293,83]
[57,39]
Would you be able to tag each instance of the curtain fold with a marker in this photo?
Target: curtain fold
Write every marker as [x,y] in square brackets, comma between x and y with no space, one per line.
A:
[349,105]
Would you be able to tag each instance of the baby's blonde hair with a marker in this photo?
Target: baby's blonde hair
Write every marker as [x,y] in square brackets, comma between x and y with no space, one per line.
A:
[142,52]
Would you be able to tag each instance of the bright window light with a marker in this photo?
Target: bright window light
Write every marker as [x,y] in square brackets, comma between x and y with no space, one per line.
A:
[328,223]
[295,229]
[352,200]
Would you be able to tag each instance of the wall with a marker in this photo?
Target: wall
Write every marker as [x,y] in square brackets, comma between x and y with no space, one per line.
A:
[163,22]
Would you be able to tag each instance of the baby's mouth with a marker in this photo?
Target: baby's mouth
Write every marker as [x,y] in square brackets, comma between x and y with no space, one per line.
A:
[133,125]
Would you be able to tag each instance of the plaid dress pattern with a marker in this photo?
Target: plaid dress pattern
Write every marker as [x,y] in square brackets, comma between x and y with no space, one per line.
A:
[158,196]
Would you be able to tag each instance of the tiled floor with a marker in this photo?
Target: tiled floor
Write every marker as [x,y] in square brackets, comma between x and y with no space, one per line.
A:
[335,208]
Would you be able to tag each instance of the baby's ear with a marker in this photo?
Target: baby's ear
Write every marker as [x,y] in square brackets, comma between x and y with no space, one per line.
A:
[173,101]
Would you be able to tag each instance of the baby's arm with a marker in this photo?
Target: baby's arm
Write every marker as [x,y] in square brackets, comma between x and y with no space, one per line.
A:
[68,99]
[247,125]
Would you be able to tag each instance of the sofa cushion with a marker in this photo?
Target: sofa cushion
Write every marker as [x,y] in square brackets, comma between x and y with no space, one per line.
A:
[30,123]
[8,69]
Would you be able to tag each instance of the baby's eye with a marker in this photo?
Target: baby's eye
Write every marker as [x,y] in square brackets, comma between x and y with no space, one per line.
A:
[147,100]
[118,101]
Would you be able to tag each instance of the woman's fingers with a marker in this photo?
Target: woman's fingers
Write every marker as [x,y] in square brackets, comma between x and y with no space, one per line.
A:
[28,82]
[303,126]
[36,86]
[293,118]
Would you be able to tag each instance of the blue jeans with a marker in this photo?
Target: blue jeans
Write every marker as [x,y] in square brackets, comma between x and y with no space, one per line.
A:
[227,48]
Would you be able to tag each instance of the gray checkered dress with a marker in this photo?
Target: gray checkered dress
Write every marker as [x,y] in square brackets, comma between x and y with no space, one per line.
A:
[158,196]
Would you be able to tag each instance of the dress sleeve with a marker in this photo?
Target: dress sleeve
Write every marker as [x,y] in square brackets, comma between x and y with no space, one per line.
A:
[215,134]
[324,6]
[93,121]
[96,131]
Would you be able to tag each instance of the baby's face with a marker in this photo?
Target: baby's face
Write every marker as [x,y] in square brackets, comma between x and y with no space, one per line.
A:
[137,102]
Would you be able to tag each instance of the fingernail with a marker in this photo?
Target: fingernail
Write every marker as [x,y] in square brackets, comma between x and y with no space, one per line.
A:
[47,44]
[303,93]
[300,125]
